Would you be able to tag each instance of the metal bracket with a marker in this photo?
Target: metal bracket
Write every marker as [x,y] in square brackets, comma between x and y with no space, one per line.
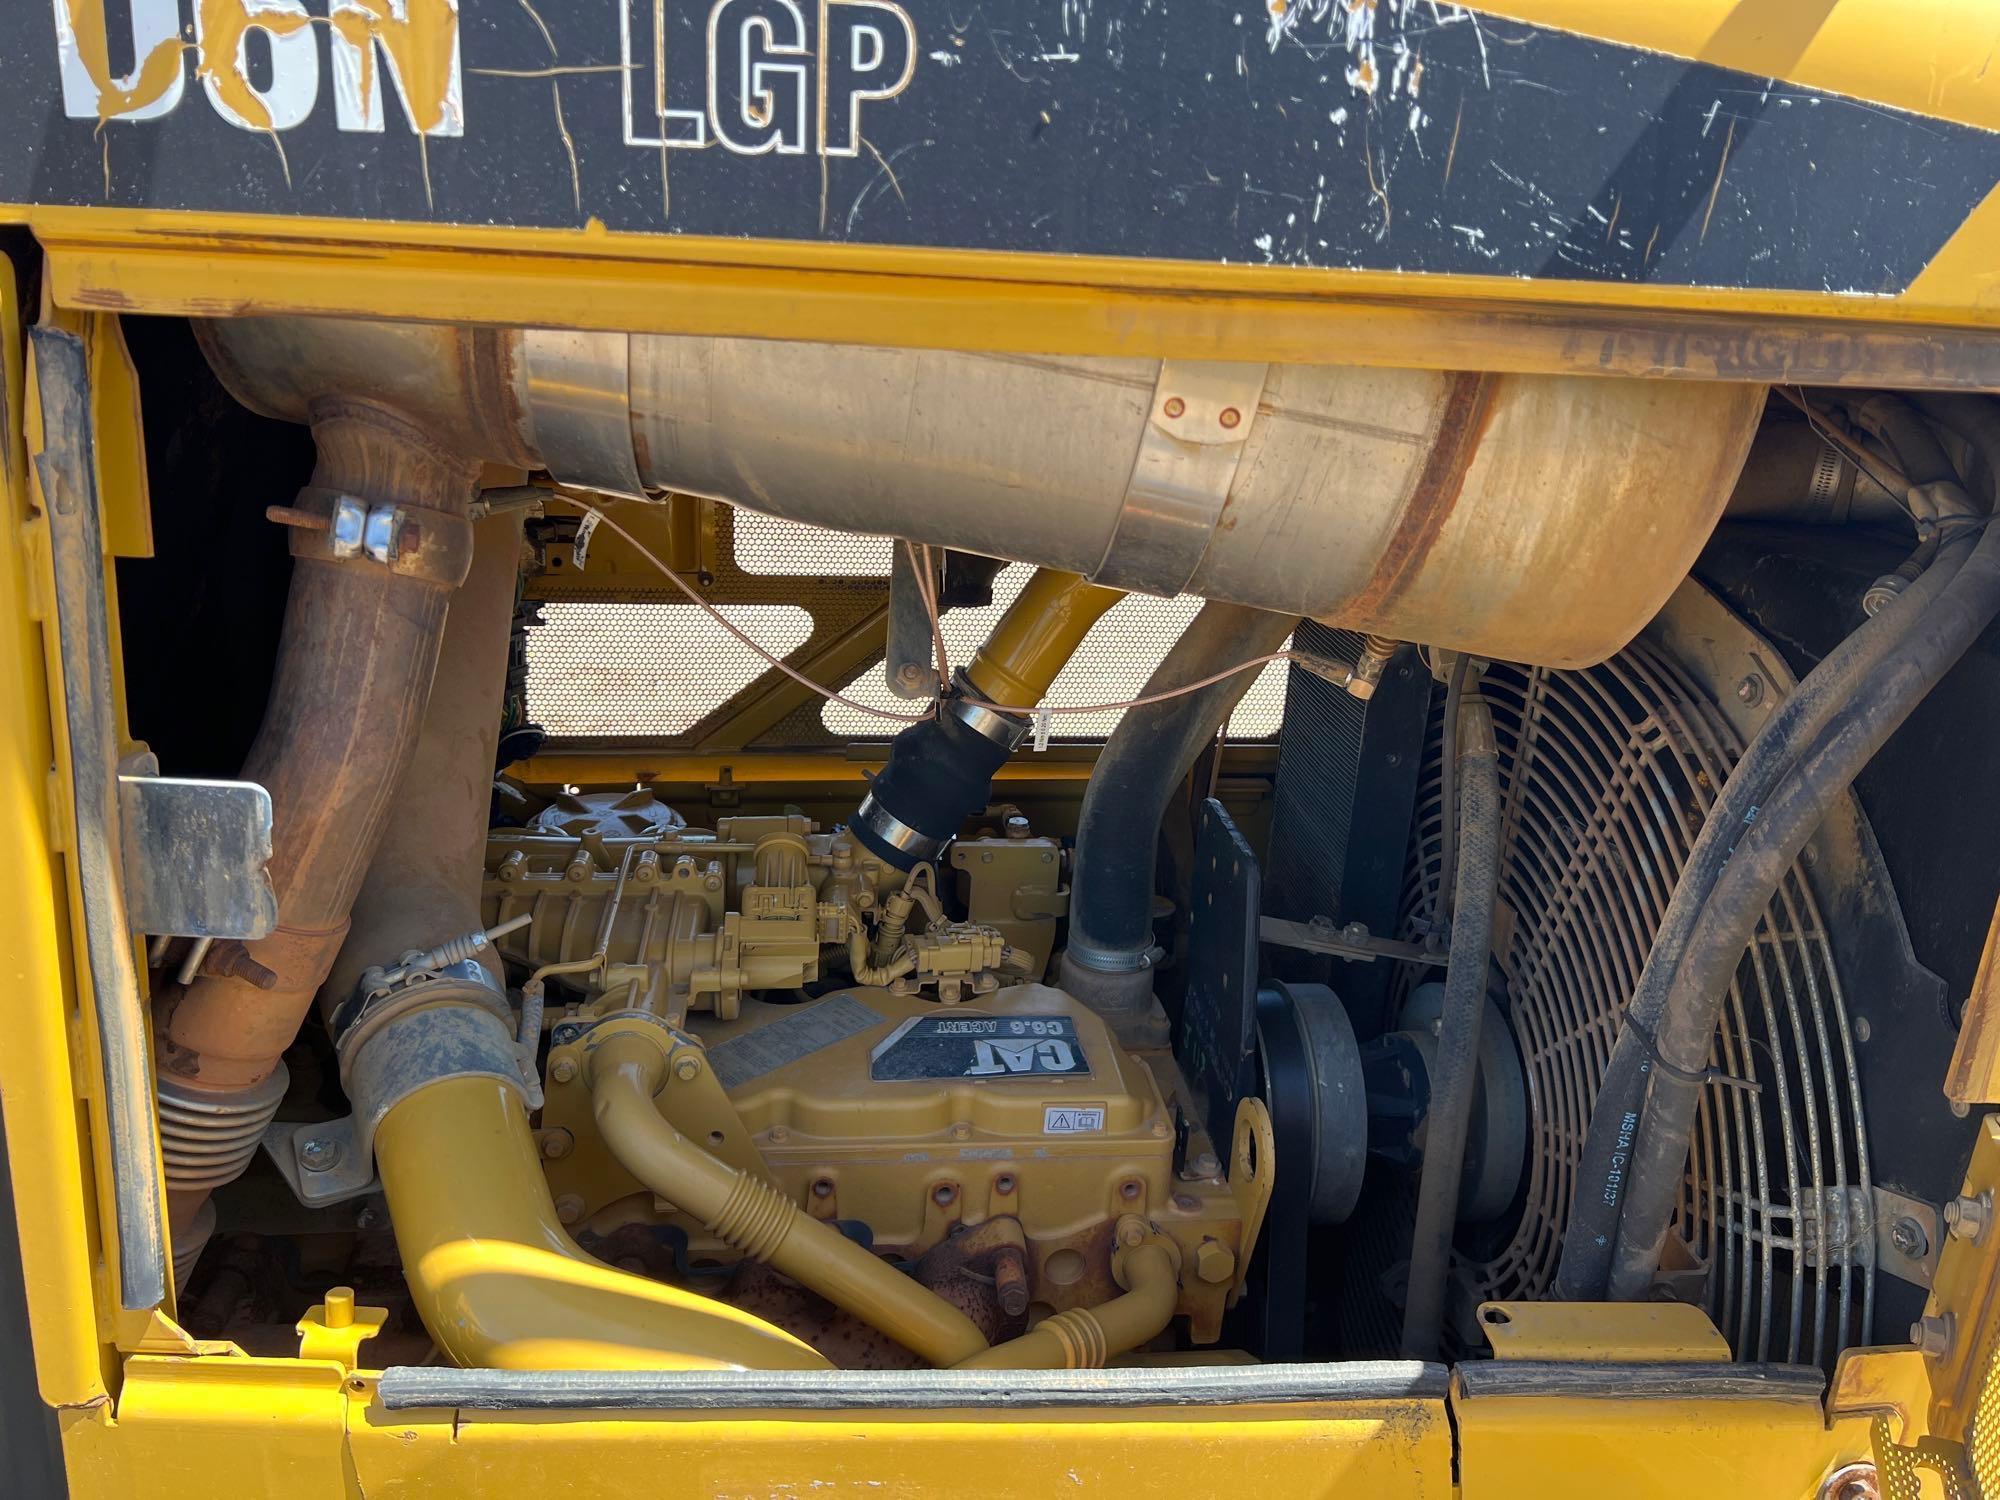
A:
[323,1163]
[1352,941]
[1189,452]
[194,855]
[908,664]
[1252,1169]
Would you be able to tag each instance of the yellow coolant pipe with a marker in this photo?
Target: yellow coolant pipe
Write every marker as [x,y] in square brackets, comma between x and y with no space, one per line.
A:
[1147,1265]
[1039,633]
[628,1067]
[501,1285]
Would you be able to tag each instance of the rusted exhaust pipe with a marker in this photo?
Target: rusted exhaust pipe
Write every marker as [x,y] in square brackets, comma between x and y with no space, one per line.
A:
[370,584]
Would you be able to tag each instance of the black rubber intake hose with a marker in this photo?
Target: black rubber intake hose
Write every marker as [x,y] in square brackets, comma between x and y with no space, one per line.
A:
[1676,1055]
[940,772]
[1454,1070]
[1585,1269]
[1154,745]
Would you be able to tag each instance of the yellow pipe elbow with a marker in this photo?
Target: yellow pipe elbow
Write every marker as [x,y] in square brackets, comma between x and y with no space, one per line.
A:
[1083,1338]
[501,1285]
[1039,633]
[626,1071]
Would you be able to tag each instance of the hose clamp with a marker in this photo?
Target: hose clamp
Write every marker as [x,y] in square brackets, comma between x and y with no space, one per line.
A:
[1111,960]
[897,834]
[412,541]
[431,1028]
[1005,730]
[1189,451]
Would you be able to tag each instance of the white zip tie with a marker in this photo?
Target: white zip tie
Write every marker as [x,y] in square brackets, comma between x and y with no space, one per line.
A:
[580,548]
[1043,715]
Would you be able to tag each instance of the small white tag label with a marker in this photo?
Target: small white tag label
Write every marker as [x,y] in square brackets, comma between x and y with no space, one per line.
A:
[1067,1119]
[580,548]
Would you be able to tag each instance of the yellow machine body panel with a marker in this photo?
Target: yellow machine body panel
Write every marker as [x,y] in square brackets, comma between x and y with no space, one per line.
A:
[1731,213]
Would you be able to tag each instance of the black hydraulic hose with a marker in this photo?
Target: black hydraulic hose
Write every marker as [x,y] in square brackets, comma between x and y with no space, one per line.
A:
[1455,1065]
[1679,1046]
[1585,1269]
[1111,910]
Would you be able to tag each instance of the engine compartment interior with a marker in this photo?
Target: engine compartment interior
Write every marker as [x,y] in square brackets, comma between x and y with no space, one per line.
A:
[959,975]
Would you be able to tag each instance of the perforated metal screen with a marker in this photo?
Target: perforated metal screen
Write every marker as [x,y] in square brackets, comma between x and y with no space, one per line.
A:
[769,547]
[647,669]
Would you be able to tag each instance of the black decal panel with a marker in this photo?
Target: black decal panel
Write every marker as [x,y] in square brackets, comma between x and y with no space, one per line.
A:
[1387,136]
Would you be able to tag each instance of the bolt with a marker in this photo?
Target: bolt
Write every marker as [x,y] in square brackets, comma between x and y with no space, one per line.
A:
[1162,1129]
[1187,1203]
[1932,1334]
[986,856]
[1010,1281]
[369,1217]
[1214,1263]
[822,1187]
[910,675]
[556,1143]
[1175,407]
[1131,1231]
[1750,691]
[1908,1236]
[563,1069]
[320,1154]
[569,1208]
[944,1195]
[960,1131]
[304,520]
[778,1135]
[1205,1165]
[1016,826]
[1231,417]
[1968,1217]
[687,1067]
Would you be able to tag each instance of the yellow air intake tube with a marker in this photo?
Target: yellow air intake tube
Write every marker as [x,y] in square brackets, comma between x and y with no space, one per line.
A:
[501,1285]
[628,1067]
[1035,638]
[940,771]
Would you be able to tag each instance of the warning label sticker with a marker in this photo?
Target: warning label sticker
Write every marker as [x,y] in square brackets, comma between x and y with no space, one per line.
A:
[784,1042]
[979,1046]
[1061,1119]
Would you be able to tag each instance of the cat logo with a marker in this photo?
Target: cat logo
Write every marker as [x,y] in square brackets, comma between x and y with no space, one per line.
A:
[1050,1055]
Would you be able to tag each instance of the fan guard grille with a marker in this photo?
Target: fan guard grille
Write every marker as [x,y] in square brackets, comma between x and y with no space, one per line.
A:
[1607,774]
